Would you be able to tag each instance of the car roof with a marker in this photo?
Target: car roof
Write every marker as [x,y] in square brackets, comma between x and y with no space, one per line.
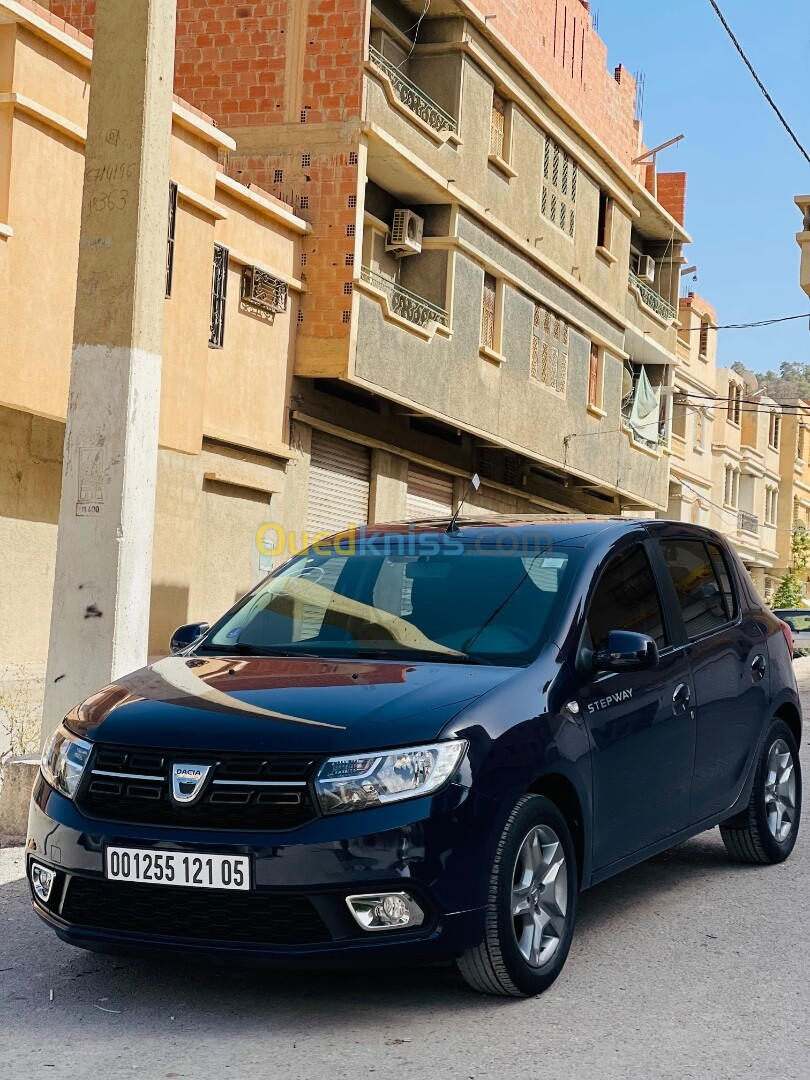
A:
[559,528]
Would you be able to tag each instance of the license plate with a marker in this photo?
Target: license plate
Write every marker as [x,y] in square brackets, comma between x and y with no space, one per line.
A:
[178,868]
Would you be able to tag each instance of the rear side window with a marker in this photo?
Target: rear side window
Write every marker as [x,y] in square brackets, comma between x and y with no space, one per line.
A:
[721,569]
[626,598]
[702,584]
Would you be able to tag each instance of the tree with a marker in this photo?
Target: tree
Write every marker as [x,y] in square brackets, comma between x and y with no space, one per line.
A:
[791,589]
[791,382]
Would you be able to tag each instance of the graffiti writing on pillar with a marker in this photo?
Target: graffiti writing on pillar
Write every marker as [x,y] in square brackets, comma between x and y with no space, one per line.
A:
[110,200]
[110,173]
[91,481]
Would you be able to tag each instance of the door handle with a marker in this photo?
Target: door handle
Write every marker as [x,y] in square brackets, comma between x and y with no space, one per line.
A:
[758,667]
[680,698]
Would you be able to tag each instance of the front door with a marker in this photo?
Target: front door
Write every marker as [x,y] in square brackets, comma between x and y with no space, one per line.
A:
[640,723]
[728,654]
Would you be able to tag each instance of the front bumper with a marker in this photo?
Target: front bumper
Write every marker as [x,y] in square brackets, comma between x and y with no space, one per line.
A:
[435,848]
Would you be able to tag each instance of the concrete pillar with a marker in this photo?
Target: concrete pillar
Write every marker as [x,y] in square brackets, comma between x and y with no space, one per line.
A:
[100,616]
[389,487]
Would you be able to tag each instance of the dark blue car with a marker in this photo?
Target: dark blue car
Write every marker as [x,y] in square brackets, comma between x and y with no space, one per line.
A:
[414,743]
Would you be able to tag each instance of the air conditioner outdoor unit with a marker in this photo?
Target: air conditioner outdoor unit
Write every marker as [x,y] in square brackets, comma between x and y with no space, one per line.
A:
[646,268]
[406,233]
[262,290]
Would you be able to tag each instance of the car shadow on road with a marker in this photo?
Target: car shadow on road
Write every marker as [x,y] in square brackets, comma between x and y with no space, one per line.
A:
[239,997]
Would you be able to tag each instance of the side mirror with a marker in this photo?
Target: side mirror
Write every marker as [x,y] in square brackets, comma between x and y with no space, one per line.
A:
[626,651]
[186,635]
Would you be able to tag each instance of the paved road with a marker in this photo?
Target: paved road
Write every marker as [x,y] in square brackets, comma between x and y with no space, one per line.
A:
[687,966]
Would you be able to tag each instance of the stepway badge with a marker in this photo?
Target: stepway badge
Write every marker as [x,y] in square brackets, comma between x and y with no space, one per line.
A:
[611,699]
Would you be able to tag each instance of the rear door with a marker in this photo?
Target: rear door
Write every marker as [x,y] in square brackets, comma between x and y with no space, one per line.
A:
[729,662]
[640,723]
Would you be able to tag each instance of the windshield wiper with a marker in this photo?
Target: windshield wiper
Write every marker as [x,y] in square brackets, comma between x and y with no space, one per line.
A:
[419,654]
[239,649]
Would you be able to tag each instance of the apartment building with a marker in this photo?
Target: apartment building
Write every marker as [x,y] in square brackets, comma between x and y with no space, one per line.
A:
[232,299]
[694,410]
[492,274]
[794,489]
[746,448]
[803,240]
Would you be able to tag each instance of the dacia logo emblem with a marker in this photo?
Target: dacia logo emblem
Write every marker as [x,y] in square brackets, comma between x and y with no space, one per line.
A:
[188,782]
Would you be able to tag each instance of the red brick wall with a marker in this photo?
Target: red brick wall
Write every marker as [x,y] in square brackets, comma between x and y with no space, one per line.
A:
[79,13]
[230,62]
[230,57]
[672,194]
[557,39]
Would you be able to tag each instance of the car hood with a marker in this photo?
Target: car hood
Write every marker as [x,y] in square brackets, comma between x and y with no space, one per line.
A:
[266,704]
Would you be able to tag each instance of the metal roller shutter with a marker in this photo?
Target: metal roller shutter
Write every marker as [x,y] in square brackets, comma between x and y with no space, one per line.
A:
[339,479]
[430,494]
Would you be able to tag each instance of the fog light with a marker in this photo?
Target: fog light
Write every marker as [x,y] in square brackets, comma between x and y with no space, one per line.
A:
[42,880]
[386,911]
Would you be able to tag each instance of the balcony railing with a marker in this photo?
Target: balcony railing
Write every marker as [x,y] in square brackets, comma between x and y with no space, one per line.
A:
[748,523]
[406,304]
[651,299]
[411,96]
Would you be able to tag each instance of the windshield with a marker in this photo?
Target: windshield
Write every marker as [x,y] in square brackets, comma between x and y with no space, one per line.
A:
[458,604]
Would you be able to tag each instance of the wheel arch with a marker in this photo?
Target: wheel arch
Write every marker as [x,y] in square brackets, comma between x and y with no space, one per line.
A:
[788,712]
[563,793]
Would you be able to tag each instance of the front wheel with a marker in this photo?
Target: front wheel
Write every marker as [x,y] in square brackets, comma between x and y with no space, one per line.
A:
[532,905]
[766,831]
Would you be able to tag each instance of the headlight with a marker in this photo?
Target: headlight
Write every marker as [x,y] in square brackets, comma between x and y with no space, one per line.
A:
[363,780]
[63,761]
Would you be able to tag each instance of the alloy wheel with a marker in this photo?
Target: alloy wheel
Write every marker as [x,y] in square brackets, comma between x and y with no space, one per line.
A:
[539,896]
[780,791]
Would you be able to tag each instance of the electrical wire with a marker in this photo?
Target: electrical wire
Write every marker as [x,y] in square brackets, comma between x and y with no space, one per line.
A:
[759,81]
[748,325]
[415,29]
[733,511]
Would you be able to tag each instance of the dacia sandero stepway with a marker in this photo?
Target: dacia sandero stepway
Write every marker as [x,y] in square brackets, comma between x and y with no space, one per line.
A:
[421,742]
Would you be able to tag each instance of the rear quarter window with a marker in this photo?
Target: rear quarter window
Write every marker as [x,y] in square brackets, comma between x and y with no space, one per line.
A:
[702,583]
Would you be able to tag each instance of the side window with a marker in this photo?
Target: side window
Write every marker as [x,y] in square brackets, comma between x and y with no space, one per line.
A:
[626,598]
[721,569]
[702,594]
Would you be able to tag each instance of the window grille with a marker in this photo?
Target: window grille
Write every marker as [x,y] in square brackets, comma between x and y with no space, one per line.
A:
[219,291]
[170,237]
[558,193]
[550,344]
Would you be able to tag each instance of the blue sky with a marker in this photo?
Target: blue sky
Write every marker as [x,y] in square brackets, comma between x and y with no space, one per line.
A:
[744,171]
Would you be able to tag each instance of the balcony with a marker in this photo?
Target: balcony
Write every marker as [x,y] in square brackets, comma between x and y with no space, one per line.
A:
[748,523]
[407,305]
[651,299]
[803,240]
[414,99]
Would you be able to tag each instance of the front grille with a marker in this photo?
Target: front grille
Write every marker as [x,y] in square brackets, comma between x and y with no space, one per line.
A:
[242,791]
[255,917]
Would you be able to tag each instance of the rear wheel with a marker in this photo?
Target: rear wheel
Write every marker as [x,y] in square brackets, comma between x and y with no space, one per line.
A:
[532,905]
[766,831]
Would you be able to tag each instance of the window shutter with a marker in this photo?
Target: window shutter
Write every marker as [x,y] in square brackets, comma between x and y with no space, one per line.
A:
[488,313]
[593,376]
[497,125]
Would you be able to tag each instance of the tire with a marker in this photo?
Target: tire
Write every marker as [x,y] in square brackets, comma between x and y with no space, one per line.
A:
[535,847]
[763,833]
